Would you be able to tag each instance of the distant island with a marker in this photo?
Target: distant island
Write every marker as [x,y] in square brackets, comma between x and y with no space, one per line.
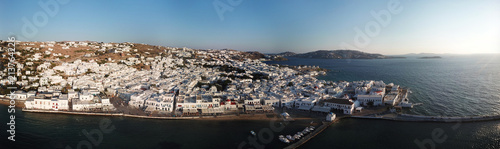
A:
[335,54]
[430,57]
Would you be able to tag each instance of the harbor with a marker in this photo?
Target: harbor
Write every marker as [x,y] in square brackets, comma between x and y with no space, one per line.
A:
[311,135]
[296,142]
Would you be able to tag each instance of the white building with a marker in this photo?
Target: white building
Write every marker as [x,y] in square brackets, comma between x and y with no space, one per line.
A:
[85,96]
[63,102]
[331,116]
[107,105]
[305,103]
[79,105]
[340,104]
[20,95]
[42,101]
[366,99]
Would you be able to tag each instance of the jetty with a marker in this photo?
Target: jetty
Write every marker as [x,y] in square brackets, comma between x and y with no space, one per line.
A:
[311,135]
[398,117]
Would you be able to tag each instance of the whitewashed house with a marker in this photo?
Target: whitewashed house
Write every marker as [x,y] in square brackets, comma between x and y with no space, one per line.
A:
[377,100]
[344,105]
[20,95]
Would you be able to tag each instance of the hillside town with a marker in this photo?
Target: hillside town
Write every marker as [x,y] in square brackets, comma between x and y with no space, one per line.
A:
[99,77]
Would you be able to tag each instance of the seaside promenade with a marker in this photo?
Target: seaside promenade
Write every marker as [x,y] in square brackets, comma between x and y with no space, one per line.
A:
[106,114]
[260,116]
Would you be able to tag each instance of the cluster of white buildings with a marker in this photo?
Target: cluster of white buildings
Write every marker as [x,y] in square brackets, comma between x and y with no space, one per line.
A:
[188,80]
[78,101]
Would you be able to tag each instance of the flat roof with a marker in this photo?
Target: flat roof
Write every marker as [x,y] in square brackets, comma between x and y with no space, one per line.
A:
[339,101]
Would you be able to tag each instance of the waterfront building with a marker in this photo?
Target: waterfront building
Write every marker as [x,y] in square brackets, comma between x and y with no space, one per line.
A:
[30,103]
[331,116]
[305,103]
[83,105]
[391,98]
[20,95]
[345,105]
[229,105]
[365,100]
[42,101]
[62,103]
[271,101]
[85,96]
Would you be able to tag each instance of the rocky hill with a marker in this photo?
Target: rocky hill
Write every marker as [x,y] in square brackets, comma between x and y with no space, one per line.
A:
[340,54]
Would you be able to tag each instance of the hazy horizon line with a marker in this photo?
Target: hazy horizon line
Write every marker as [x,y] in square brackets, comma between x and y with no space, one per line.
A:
[261,51]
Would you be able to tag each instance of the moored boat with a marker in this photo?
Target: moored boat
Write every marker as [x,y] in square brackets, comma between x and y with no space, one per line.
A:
[300,134]
[296,136]
[283,139]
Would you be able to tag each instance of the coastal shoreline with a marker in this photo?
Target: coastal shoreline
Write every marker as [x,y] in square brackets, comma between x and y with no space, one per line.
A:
[260,116]
[265,116]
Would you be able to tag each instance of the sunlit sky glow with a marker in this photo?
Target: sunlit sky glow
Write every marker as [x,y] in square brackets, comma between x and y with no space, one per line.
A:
[423,26]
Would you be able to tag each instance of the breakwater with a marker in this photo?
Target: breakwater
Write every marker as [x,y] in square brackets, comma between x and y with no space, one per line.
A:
[422,118]
[311,135]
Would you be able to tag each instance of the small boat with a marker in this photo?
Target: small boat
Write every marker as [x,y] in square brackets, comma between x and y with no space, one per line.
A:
[311,128]
[300,133]
[307,130]
[289,137]
[283,139]
[296,136]
[253,133]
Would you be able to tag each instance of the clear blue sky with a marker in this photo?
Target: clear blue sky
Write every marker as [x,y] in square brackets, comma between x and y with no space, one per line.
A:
[269,26]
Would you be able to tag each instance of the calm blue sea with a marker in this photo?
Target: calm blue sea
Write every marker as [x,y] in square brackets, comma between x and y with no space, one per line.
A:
[452,86]
[459,85]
